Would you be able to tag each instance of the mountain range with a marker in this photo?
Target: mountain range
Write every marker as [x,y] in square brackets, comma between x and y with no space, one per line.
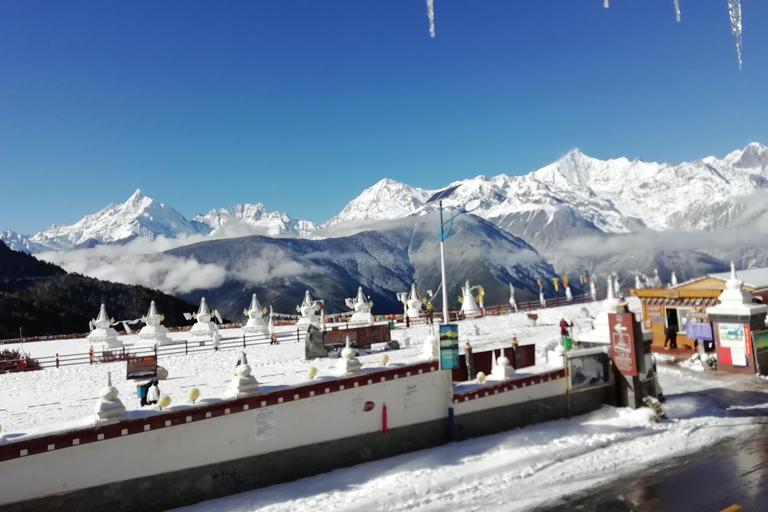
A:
[579,213]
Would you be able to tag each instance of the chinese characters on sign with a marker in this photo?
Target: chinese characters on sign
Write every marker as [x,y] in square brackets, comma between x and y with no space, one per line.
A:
[623,343]
[733,337]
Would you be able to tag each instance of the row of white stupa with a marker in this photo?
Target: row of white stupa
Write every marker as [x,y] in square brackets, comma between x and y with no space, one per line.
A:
[154,333]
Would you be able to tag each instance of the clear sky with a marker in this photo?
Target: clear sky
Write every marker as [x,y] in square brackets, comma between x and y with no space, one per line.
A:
[302,104]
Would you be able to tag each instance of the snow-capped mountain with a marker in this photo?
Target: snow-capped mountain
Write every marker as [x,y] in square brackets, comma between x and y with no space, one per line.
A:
[255,219]
[580,195]
[139,216]
[19,242]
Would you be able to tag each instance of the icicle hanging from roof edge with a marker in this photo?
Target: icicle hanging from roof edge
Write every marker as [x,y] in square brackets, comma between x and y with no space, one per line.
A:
[734,9]
[677,10]
[431,16]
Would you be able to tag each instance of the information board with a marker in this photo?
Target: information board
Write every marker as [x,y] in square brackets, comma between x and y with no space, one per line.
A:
[449,347]
[143,367]
[761,341]
[698,331]
[623,343]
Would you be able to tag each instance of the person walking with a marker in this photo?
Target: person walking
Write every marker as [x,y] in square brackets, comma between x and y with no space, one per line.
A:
[142,392]
[670,336]
[153,394]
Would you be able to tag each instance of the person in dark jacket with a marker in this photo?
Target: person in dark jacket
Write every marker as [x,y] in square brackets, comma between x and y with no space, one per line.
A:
[142,392]
[670,336]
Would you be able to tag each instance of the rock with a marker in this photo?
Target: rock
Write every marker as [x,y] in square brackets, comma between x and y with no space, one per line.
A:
[162,373]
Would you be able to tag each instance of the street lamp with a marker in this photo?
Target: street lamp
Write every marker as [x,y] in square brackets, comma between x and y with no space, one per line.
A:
[470,206]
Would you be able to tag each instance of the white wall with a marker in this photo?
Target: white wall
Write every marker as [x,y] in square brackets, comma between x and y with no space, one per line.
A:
[326,417]
[409,400]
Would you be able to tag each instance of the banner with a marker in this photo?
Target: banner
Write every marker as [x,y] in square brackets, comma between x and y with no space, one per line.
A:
[539,282]
[449,347]
[556,280]
[565,281]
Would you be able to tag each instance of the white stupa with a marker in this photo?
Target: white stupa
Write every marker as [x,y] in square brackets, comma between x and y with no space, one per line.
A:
[154,332]
[568,294]
[109,407]
[512,301]
[735,301]
[243,383]
[103,336]
[414,303]
[308,310]
[468,305]
[673,280]
[349,364]
[542,300]
[502,369]
[592,290]
[205,329]
[601,333]
[638,284]
[362,309]
[255,323]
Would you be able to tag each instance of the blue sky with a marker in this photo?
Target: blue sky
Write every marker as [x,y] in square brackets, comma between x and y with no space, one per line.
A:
[303,104]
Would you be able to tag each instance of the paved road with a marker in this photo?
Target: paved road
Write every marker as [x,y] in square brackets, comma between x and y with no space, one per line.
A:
[730,476]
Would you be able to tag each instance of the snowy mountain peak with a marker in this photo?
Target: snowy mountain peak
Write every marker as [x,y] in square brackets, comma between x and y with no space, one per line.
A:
[249,218]
[386,199]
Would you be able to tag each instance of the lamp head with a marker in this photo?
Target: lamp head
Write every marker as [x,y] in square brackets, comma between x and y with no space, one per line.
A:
[474,204]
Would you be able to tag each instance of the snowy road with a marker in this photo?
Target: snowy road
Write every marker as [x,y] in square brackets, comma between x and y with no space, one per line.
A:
[732,474]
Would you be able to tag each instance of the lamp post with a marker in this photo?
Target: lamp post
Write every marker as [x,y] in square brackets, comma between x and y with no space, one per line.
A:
[471,205]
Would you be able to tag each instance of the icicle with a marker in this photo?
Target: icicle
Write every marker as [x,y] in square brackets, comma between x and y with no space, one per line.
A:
[605,4]
[431,16]
[734,7]
[677,10]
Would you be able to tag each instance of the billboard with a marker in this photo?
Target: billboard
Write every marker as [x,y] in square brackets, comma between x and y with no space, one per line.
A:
[761,341]
[623,343]
[449,347]
[698,331]
[142,367]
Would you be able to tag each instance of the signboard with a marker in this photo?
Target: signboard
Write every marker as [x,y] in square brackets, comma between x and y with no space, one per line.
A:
[449,347]
[623,343]
[698,331]
[589,370]
[143,367]
[731,335]
[364,336]
[265,423]
[734,337]
[761,341]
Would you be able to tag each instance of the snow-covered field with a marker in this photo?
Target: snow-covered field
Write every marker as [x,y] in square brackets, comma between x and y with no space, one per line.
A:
[518,469]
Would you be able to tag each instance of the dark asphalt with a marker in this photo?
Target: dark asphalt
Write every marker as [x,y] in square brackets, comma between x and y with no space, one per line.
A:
[733,473]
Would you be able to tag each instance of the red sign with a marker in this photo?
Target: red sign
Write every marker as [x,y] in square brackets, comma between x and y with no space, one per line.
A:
[623,343]
[369,406]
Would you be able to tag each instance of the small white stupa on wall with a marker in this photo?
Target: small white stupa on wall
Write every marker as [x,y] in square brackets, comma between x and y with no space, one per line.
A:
[308,310]
[255,314]
[154,332]
[102,335]
[204,329]
[469,306]
[362,309]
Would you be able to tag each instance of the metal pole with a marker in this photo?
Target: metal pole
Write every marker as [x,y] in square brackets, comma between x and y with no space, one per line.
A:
[442,268]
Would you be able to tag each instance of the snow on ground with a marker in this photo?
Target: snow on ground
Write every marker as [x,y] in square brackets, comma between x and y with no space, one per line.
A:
[68,393]
[519,469]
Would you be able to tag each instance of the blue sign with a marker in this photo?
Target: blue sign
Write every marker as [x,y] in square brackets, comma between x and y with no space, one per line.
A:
[449,347]
[698,331]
